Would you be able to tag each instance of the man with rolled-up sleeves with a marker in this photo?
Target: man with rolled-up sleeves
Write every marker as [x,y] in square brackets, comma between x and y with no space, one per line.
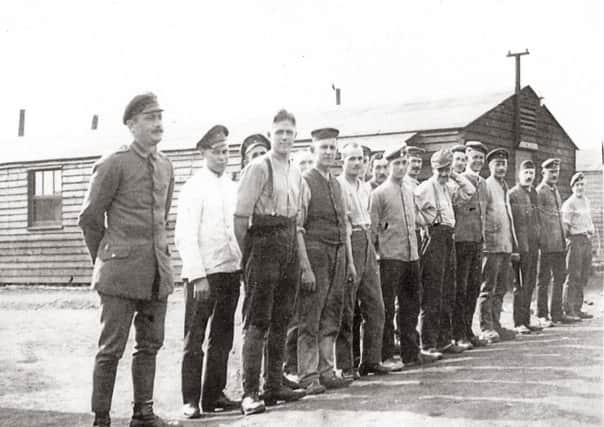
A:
[123,219]
[579,227]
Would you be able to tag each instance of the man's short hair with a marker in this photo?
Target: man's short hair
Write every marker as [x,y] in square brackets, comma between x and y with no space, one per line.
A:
[282,115]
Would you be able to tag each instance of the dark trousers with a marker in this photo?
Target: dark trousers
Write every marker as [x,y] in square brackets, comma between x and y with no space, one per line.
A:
[116,318]
[525,273]
[578,264]
[219,311]
[496,270]
[552,265]
[271,283]
[468,260]
[435,265]
[447,308]
[319,313]
[400,280]
[366,293]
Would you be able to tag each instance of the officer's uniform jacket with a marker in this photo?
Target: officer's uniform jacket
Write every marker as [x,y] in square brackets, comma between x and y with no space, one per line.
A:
[523,200]
[549,204]
[124,218]
[500,236]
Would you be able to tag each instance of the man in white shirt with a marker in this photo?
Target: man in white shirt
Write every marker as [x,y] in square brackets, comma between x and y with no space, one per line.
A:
[211,273]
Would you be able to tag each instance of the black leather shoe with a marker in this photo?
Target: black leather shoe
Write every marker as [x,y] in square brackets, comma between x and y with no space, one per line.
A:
[223,403]
[375,368]
[282,394]
[331,382]
[251,404]
[143,416]
[102,420]
[584,315]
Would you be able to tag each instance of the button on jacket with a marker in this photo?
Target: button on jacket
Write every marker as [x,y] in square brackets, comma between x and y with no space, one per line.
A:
[204,226]
[552,239]
[523,200]
[500,236]
[393,222]
[133,190]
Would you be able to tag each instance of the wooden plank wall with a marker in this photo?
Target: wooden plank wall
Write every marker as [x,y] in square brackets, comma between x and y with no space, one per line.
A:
[59,256]
[594,190]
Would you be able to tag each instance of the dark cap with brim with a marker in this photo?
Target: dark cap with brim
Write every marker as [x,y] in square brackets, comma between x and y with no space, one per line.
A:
[498,154]
[324,133]
[144,103]
[216,134]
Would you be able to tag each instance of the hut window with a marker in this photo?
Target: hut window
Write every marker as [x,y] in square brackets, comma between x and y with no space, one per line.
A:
[45,198]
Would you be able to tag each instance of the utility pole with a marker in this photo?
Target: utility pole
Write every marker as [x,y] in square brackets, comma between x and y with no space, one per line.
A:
[337,90]
[517,92]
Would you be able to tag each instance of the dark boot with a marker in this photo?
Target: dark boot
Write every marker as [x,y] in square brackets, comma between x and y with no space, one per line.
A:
[143,416]
[282,394]
[102,420]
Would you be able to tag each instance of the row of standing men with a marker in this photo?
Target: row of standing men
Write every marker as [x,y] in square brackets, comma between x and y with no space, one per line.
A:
[314,249]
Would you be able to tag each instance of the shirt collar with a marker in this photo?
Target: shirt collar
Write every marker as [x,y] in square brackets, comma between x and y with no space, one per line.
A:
[136,147]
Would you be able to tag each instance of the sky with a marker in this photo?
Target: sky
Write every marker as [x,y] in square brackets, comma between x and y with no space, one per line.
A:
[221,61]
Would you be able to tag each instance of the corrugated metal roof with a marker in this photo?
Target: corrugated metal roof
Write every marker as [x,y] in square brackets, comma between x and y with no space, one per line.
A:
[390,119]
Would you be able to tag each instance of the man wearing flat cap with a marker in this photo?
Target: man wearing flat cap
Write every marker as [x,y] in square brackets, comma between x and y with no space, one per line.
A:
[365,292]
[325,254]
[211,267]
[123,219]
[523,200]
[393,222]
[253,146]
[579,227]
[552,243]
[435,203]
[500,243]
[266,214]
[469,238]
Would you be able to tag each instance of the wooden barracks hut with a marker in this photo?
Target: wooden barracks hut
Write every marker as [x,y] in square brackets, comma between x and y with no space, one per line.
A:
[41,190]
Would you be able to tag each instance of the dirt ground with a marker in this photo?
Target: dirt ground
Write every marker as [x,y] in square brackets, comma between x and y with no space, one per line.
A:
[554,378]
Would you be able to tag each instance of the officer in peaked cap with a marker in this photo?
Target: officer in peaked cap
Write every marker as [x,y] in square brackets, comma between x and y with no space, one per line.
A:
[143,103]
[122,219]
[214,135]
[396,153]
[498,153]
[253,146]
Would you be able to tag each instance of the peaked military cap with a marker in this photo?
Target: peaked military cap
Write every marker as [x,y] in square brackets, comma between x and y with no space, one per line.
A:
[413,151]
[458,148]
[143,103]
[551,164]
[498,154]
[394,154]
[217,133]
[527,164]
[253,141]
[324,133]
[442,158]
[577,178]
[366,151]
[477,145]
